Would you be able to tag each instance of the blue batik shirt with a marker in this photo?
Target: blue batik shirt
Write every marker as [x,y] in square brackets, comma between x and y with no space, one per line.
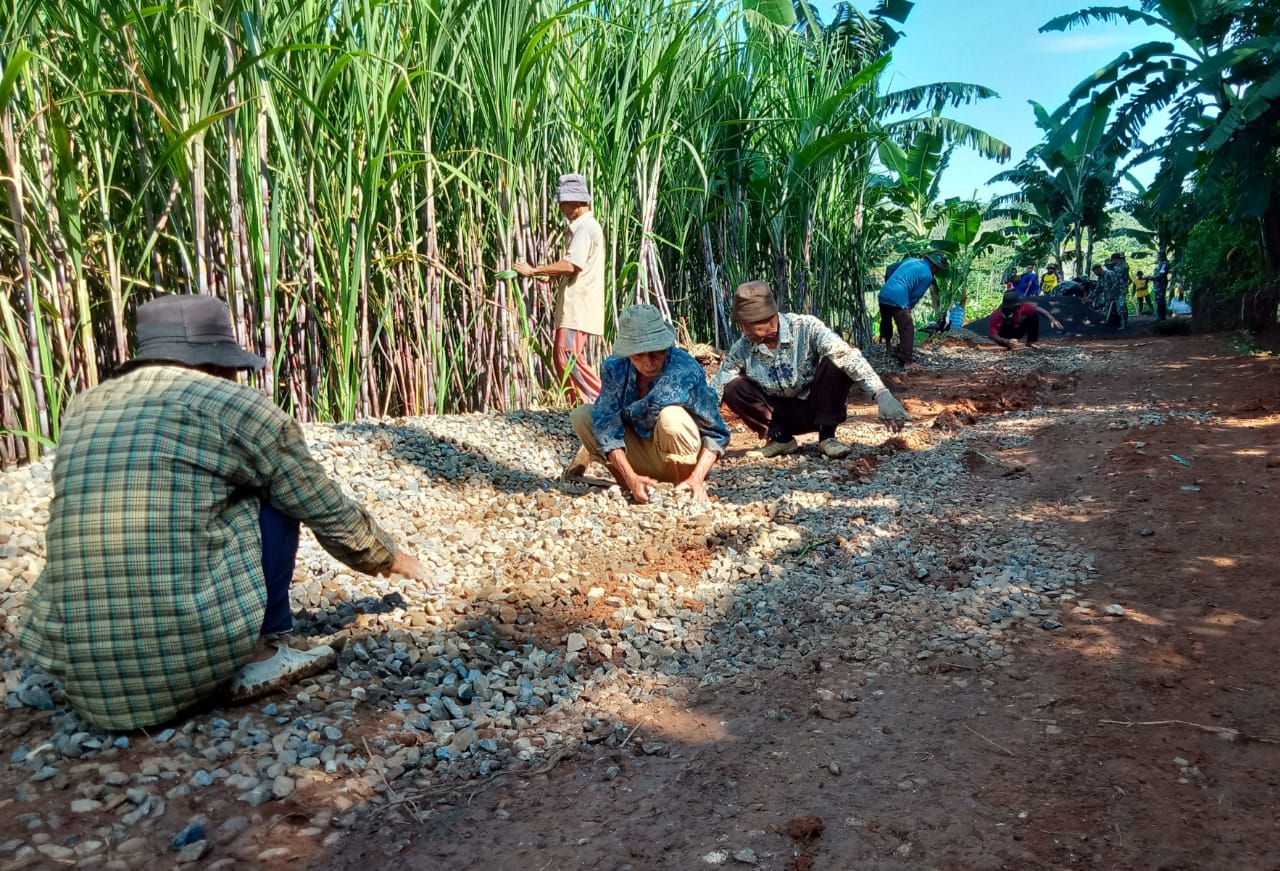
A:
[681,382]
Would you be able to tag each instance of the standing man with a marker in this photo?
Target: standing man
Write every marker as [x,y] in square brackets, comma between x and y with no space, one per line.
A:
[905,285]
[1027,283]
[1050,279]
[1142,292]
[580,297]
[1160,278]
[790,374]
[177,499]
[1016,319]
[655,419]
[1113,291]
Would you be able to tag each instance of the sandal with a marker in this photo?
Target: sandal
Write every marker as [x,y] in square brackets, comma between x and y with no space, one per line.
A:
[287,665]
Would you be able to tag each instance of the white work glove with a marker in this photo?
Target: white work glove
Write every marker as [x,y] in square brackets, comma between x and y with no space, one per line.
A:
[892,414]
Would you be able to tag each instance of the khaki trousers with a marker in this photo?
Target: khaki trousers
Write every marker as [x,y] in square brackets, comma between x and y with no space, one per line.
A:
[666,457]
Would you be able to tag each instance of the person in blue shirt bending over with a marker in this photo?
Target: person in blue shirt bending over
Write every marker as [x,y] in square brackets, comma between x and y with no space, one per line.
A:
[905,284]
[1027,284]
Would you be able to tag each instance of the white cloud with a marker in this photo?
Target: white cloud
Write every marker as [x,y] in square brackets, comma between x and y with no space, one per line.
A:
[1074,43]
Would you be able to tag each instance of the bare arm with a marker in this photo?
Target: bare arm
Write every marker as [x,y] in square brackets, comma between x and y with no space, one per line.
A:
[1053,322]
[559,269]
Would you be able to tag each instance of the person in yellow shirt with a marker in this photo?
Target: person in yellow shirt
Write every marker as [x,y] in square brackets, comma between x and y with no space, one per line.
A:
[1051,278]
[1142,293]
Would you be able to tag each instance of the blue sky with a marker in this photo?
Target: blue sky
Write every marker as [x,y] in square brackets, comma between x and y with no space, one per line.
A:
[996,43]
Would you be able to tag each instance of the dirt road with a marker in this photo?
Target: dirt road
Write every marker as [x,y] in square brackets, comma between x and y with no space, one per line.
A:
[1144,739]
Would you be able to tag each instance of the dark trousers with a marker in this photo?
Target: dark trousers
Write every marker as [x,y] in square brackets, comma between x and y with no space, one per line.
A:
[1027,328]
[1144,302]
[279,553]
[767,416]
[1162,289]
[896,314]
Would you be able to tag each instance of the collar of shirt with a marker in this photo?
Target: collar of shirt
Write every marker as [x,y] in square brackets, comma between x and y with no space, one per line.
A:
[577,222]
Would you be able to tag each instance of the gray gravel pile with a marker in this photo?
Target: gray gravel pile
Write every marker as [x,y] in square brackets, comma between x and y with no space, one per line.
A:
[1050,356]
[550,606]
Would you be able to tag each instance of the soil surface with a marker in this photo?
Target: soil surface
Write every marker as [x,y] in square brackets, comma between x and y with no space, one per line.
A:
[1145,739]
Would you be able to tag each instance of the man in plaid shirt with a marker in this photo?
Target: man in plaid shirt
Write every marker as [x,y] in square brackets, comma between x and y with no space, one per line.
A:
[174,525]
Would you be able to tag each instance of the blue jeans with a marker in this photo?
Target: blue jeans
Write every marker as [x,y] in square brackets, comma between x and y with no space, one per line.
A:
[279,553]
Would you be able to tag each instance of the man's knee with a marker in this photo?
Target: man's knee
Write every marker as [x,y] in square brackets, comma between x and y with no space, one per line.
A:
[740,392]
[676,433]
[580,417]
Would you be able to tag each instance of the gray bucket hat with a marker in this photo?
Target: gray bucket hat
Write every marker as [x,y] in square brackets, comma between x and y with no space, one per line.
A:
[191,330]
[573,189]
[641,329]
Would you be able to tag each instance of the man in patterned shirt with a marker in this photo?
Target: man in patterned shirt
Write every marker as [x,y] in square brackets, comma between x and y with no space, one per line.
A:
[174,528]
[790,374]
[655,419]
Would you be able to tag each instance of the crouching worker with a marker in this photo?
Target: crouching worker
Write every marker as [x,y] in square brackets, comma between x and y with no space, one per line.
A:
[1015,319]
[656,420]
[790,374]
[174,529]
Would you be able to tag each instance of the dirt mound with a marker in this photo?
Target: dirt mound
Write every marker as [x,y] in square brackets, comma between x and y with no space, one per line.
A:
[1077,319]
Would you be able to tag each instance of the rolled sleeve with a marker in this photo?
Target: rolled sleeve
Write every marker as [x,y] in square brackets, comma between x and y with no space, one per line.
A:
[579,250]
[705,405]
[848,359]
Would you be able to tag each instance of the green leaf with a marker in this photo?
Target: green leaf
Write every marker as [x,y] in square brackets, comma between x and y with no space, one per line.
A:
[780,12]
[894,10]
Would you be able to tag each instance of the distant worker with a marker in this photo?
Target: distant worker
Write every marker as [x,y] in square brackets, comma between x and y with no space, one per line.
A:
[1113,291]
[1160,281]
[1142,293]
[1027,283]
[580,298]
[655,420]
[790,374]
[1015,319]
[1051,279]
[905,285]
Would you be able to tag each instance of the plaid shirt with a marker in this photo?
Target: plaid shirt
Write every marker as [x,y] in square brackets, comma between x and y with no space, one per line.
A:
[153,594]
[788,370]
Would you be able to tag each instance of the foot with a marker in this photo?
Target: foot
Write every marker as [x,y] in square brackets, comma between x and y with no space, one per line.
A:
[775,449]
[283,668]
[834,448]
[578,465]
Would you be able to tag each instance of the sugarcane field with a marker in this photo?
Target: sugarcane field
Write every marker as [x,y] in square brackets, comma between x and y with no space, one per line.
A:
[640,434]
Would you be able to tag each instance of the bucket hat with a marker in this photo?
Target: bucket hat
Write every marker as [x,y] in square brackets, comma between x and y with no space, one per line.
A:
[938,259]
[192,330]
[573,189]
[753,302]
[641,329]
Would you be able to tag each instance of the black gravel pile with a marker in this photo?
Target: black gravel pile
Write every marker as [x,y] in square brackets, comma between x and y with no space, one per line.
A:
[1077,319]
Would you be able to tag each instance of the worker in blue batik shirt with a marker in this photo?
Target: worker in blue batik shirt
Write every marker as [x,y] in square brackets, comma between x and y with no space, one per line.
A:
[656,419]
[905,284]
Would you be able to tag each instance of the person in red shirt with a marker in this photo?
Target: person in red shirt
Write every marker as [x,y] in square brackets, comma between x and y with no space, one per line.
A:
[1015,319]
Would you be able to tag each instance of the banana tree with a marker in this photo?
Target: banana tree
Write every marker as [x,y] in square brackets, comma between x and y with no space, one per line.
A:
[1219,73]
[1070,178]
[968,237]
